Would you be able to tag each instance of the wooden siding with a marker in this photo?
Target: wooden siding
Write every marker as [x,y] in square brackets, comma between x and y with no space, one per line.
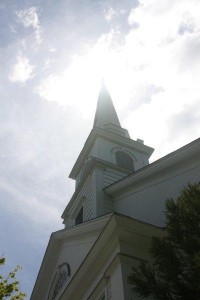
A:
[110,176]
[83,198]
[87,206]
[109,291]
[148,204]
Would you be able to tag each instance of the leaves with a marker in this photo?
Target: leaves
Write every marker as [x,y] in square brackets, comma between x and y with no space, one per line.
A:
[174,272]
[9,286]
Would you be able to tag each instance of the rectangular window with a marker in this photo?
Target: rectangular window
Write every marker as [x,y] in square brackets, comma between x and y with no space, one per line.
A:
[79,217]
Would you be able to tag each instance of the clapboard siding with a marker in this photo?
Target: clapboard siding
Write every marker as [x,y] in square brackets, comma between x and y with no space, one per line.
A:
[83,198]
[148,204]
[110,176]
[87,208]
[109,291]
[108,206]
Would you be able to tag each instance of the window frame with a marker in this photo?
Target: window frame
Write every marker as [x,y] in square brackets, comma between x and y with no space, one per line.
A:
[127,156]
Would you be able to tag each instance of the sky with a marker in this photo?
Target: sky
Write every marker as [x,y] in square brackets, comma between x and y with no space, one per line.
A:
[53,56]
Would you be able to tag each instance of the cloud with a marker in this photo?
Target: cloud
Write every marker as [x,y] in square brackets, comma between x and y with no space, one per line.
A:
[22,70]
[29,18]
[109,13]
[165,47]
[151,73]
[149,54]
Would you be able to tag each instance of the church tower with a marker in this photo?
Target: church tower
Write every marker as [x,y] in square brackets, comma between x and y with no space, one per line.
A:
[90,258]
[107,156]
[116,208]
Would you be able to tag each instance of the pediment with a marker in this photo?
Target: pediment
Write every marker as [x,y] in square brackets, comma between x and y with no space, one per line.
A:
[65,253]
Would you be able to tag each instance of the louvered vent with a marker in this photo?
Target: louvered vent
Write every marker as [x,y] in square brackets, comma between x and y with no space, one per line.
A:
[124,160]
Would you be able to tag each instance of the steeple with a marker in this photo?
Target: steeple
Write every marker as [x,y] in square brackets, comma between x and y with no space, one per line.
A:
[105,112]
[106,116]
[108,155]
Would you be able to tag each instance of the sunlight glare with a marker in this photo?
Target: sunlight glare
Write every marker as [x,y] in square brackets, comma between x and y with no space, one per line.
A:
[78,85]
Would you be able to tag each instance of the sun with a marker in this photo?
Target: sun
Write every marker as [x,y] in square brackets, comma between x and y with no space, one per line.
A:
[78,84]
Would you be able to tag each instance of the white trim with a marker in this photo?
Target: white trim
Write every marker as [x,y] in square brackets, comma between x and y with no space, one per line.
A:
[120,140]
[166,165]
[94,162]
[116,149]
[107,243]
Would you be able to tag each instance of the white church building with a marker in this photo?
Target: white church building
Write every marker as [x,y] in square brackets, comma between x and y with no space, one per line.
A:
[117,206]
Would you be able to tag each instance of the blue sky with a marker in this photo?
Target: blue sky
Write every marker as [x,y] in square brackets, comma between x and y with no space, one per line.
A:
[53,55]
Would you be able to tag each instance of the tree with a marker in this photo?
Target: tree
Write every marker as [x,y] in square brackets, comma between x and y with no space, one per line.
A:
[9,286]
[174,270]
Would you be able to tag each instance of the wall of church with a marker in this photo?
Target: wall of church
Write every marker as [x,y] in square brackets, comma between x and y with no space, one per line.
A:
[117,288]
[110,176]
[75,250]
[146,202]
[126,271]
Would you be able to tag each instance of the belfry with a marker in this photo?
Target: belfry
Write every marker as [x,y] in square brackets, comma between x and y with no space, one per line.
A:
[107,156]
[116,208]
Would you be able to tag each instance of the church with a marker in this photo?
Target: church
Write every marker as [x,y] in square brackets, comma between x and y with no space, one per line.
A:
[117,206]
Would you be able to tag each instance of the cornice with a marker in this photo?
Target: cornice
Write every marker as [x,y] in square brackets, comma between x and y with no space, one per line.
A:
[168,163]
[52,247]
[55,242]
[83,228]
[111,136]
[110,226]
[107,243]
[80,276]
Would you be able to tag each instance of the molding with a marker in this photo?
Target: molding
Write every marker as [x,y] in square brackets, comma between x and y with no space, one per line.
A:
[52,247]
[111,136]
[173,161]
[111,228]
[118,258]
[83,228]
[88,265]
[55,242]
[103,281]
[106,244]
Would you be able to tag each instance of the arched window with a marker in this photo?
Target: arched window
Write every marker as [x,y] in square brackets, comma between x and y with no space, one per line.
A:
[59,281]
[124,160]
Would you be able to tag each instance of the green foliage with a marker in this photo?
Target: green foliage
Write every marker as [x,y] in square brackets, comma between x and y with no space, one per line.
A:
[174,272]
[9,286]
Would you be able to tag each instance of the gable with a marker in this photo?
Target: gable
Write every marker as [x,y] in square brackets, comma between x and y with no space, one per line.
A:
[101,270]
[67,247]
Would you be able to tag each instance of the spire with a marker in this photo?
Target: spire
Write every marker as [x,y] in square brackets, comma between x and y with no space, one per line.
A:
[105,112]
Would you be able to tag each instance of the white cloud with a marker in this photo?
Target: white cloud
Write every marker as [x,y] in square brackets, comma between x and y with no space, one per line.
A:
[109,14]
[29,18]
[166,50]
[152,76]
[22,70]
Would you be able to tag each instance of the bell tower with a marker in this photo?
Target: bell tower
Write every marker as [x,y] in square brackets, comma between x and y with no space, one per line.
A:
[108,155]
